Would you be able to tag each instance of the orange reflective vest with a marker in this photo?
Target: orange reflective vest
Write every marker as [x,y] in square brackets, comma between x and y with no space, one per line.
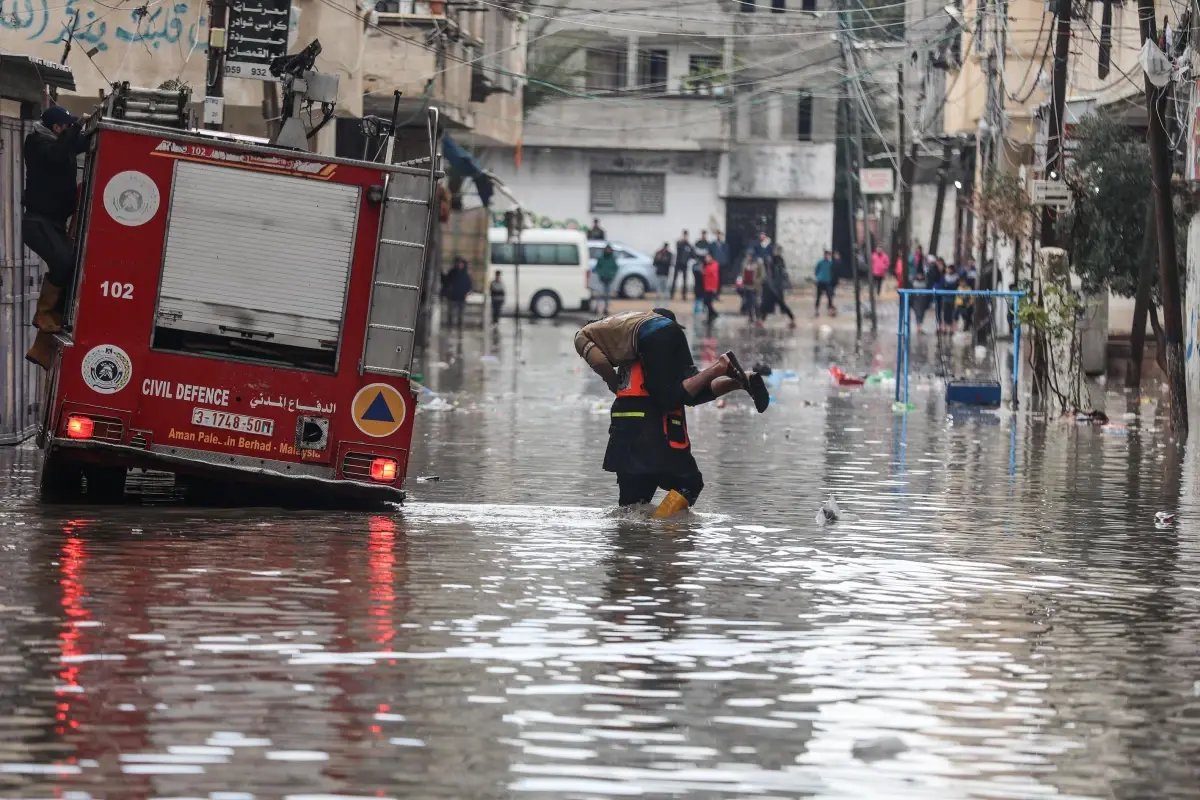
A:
[633,385]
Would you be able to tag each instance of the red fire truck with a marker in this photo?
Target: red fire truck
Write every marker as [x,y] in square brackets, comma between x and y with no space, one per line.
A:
[242,314]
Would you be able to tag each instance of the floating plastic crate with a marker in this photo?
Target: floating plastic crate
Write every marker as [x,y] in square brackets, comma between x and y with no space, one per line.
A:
[973,393]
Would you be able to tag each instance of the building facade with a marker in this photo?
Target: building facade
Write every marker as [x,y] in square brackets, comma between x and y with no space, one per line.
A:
[656,123]
[466,60]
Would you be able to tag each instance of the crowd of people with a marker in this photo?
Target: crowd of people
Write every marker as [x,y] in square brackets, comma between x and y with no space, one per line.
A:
[762,282]
[933,272]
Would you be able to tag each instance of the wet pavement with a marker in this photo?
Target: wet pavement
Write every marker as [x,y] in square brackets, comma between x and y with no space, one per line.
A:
[996,616]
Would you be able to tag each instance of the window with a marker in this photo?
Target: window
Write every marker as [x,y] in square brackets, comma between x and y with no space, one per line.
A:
[704,71]
[780,6]
[804,118]
[808,5]
[652,70]
[748,6]
[629,193]
[594,252]
[564,255]
[604,70]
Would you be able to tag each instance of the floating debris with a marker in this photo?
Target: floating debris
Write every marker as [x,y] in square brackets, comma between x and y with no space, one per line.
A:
[880,749]
[829,513]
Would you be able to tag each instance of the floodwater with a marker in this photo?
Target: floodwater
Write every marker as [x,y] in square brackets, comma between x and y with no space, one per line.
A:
[996,615]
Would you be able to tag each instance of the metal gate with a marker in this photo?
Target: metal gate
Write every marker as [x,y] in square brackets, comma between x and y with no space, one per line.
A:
[744,220]
[20,277]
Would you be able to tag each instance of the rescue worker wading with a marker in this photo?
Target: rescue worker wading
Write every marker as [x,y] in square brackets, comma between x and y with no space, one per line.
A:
[644,358]
[49,200]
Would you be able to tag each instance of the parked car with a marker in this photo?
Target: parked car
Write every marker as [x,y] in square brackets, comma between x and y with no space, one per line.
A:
[635,271]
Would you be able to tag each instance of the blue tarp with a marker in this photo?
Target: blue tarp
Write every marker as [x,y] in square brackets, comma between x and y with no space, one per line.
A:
[465,165]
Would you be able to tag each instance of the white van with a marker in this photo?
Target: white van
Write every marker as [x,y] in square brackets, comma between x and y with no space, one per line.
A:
[554,270]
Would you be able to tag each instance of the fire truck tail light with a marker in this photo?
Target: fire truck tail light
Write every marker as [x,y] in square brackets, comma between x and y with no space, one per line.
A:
[79,427]
[383,470]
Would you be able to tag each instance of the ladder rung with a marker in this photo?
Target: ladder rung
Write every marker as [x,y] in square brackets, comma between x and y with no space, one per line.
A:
[391,328]
[385,370]
[408,200]
[402,243]
[391,285]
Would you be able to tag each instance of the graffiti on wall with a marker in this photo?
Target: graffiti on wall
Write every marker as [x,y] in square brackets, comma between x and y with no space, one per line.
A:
[181,23]
[542,222]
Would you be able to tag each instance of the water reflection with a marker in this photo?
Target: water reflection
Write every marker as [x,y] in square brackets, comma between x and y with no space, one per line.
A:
[997,617]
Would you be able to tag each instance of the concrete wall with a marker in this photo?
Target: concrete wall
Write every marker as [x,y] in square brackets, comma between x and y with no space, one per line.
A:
[784,170]
[171,43]
[803,228]
[1191,318]
[663,123]
[556,184]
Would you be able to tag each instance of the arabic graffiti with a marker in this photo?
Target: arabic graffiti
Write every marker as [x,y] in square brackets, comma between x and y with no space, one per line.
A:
[182,23]
[543,222]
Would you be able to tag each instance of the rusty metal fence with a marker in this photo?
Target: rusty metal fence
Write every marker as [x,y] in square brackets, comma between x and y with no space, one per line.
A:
[20,279]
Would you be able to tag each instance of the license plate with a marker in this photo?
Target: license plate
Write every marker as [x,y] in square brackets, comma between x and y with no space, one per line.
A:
[208,418]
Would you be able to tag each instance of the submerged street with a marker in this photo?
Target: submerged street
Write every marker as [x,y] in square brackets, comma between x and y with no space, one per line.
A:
[995,615]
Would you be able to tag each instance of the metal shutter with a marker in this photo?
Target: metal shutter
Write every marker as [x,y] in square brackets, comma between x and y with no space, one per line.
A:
[253,252]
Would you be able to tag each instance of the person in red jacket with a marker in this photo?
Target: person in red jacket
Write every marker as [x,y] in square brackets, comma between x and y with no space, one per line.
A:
[712,284]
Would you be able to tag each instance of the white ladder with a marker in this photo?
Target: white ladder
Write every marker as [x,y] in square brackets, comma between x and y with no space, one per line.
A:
[404,234]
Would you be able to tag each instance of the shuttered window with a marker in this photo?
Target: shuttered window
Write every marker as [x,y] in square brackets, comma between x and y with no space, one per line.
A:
[629,192]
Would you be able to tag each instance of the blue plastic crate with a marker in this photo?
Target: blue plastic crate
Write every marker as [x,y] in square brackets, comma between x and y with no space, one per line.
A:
[973,393]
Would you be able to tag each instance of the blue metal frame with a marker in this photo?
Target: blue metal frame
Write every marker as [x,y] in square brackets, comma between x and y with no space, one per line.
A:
[903,333]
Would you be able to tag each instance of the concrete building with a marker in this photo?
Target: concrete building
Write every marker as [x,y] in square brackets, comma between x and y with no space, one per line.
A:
[465,60]
[656,123]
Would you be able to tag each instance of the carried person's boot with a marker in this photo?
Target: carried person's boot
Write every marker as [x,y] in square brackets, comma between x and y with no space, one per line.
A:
[44,318]
[42,351]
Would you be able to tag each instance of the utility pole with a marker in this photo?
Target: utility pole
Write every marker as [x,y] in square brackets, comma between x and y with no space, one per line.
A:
[853,189]
[902,237]
[867,249]
[940,202]
[214,86]
[1164,216]
[851,206]
[1058,99]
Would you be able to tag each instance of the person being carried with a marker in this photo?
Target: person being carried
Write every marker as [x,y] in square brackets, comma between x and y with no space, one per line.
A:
[50,198]
[496,291]
[645,359]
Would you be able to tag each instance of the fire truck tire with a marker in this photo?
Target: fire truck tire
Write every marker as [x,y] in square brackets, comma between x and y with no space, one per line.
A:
[104,484]
[61,480]
[545,304]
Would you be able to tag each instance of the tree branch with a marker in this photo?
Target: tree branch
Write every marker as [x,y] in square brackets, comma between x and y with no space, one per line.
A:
[1160,339]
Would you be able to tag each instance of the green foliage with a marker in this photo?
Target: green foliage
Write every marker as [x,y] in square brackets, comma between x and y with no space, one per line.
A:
[1110,181]
[1004,202]
[546,73]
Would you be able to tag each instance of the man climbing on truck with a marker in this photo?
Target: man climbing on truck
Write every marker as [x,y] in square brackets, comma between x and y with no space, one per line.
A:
[645,359]
[49,200]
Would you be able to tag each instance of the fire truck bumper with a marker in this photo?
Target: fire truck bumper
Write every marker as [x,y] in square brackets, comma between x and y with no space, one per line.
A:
[317,479]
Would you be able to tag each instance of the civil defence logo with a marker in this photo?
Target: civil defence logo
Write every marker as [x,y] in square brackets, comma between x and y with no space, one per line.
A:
[378,410]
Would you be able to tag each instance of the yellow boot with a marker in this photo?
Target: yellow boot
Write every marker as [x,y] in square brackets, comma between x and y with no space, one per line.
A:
[44,319]
[42,351]
[671,505]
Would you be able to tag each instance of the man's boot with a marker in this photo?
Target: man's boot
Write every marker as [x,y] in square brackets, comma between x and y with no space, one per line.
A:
[42,351]
[44,319]
[671,505]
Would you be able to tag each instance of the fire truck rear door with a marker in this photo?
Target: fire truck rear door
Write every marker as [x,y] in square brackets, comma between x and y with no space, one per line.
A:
[255,255]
